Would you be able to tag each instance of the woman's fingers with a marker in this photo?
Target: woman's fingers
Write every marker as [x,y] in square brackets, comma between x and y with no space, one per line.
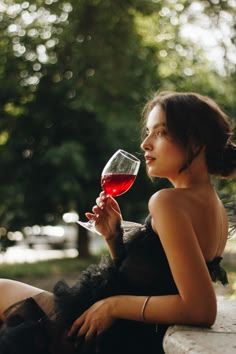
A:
[95,209]
[84,329]
[89,335]
[100,202]
[103,195]
[105,201]
[105,213]
[90,216]
[76,325]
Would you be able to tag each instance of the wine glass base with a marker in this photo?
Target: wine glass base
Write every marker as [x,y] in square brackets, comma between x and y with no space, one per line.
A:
[89,225]
[126,224]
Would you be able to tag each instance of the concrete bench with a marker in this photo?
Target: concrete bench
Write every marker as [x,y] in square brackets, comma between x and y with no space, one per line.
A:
[220,338]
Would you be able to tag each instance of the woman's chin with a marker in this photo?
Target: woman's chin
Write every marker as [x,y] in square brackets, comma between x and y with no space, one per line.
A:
[152,174]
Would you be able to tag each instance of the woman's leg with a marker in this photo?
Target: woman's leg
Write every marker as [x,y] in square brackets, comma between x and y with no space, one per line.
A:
[12,291]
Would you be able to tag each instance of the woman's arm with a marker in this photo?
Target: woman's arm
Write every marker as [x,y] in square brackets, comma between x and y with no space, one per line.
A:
[173,225]
[165,309]
[196,302]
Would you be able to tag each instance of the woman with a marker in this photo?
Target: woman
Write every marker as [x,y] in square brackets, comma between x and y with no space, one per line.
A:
[159,273]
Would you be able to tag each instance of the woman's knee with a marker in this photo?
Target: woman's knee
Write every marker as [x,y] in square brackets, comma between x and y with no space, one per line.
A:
[7,287]
[4,285]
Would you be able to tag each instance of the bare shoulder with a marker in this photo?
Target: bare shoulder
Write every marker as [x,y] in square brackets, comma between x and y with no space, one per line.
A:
[169,206]
[185,209]
[182,200]
[167,198]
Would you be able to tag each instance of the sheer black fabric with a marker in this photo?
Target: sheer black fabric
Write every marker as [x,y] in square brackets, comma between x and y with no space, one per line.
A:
[24,329]
[142,269]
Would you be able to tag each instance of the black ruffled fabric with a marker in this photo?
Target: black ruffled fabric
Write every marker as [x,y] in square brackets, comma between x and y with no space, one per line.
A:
[95,283]
[217,272]
[142,269]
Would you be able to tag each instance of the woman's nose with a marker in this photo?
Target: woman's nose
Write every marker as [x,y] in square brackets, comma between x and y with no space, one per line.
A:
[145,145]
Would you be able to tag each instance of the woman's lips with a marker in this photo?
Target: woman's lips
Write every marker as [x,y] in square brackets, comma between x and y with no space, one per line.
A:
[149,159]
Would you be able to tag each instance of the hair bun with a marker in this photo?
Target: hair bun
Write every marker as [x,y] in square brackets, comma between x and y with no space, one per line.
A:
[228,166]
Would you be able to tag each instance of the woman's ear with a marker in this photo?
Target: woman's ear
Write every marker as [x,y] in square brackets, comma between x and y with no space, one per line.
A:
[196,148]
[194,151]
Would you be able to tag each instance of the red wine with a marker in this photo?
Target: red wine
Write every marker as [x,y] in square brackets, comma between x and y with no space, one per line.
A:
[116,184]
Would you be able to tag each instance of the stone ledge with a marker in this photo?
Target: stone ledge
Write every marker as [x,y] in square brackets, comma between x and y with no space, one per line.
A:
[220,338]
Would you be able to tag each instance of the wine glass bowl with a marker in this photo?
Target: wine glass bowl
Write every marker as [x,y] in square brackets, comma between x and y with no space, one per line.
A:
[116,184]
[117,177]
[119,173]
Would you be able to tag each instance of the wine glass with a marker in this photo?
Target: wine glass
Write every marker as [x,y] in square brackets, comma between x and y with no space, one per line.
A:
[117,177]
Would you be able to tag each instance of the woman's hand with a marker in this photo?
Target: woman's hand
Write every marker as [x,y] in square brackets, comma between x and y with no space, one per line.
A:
[94,321]
[107,216]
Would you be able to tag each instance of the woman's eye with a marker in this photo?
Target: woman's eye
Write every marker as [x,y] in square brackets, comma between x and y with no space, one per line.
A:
[156,134]
[161,133]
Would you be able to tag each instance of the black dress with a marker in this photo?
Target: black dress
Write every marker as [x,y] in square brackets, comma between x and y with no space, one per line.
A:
[142,269]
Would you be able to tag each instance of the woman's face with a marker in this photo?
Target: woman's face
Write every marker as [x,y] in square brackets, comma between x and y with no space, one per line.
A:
[163,156]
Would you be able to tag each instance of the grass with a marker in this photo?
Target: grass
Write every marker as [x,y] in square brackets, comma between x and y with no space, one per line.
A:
[45,269]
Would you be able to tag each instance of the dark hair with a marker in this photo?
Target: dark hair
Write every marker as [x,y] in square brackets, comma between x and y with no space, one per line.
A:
[195,119]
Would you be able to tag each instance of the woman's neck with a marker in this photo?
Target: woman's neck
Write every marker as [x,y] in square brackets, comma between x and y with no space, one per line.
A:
[196,175]
[189,179]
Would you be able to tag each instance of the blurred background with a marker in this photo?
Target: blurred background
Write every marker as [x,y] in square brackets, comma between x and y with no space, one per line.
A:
[74,77]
